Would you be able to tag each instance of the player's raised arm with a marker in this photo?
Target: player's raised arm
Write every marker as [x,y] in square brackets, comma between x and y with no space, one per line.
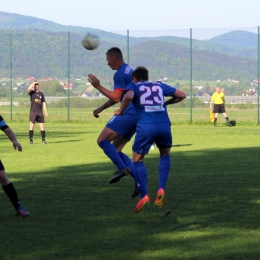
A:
[32,86]
[114,95]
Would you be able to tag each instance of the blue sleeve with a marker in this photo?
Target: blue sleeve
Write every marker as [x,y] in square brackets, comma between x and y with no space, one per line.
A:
[119,82]
[131,87]
[168,90]
[3,124]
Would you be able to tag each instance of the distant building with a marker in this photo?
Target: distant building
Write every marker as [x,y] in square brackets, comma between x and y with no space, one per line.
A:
[65,86]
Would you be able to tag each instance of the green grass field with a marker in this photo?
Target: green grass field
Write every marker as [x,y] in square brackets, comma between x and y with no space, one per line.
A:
[213,194]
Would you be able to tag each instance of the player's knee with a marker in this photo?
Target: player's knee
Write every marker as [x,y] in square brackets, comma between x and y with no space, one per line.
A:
[3,178]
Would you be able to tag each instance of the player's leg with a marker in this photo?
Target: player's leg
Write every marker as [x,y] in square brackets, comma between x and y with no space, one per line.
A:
[123,126]
[11,192]
[104,141]
[140,148]
[119,143]
[140,177]
[32,119]
[40,120]
[164,143]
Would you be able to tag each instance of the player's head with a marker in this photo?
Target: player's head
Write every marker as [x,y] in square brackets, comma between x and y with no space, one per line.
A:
[36,84]
[114,58]
[140,73]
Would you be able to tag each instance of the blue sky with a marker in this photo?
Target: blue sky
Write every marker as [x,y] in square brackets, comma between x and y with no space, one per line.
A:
[146,17]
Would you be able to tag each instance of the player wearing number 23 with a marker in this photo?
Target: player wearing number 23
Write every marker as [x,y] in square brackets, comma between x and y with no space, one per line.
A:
[153,125]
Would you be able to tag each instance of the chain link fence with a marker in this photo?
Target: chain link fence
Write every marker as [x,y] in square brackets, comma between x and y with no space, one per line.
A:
[193,60]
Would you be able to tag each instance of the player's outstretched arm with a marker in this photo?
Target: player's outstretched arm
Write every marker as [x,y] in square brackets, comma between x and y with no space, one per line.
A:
[125,102]
[106,105]
[176,98]
[113,95]
[9,132]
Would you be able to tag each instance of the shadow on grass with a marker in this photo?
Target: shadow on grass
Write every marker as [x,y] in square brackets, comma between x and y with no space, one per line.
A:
[180,145]
[213,197]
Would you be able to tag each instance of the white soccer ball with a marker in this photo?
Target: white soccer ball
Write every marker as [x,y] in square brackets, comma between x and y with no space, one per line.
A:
[90,41]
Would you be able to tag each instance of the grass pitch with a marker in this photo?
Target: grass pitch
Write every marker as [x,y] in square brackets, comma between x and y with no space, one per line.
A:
[212,197]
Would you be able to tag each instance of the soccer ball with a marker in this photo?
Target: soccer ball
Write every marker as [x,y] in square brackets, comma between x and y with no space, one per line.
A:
[90,41]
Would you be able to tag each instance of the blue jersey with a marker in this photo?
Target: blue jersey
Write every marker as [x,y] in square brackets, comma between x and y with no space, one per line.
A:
[149,101]
[122,78]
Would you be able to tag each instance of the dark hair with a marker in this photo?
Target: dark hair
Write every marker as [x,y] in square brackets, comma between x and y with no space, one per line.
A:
[115,52]
[141,73]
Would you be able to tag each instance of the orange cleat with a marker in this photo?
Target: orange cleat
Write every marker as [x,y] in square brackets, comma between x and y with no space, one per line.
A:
[159,201]
[141,203]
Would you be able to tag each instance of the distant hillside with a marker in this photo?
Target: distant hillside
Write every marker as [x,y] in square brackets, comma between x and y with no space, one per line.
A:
[43,54]
[236,43]
[40,49]
[236,39]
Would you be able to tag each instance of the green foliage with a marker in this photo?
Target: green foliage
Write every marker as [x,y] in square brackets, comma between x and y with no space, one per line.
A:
[77,103]
[248,105]
[45,54]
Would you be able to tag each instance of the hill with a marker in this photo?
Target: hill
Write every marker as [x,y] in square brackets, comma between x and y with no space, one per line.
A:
[40,49]
[238,43]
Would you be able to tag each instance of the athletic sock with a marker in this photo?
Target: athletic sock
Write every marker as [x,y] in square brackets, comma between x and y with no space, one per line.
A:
[215,120]
[111,152]
[141,177]
[128,162]
[43,135]
[12,194]
[164,169]
[227,119]
[30,134]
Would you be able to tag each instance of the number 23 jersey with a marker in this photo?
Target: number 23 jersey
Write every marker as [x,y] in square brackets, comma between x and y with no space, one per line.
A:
[149,100]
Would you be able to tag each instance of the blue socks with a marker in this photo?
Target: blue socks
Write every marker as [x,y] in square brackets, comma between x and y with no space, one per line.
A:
[164,169]
[111,152]
[140,177]
[128,162]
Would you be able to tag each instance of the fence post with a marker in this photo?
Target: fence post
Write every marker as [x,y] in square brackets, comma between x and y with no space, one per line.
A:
[191,75]
[68,76]
[11,78]
[258,61]
[127,46]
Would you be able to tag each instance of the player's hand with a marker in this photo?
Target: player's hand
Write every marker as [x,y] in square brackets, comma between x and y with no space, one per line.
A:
[118,112]
[96,112]
[17,146]
[93,80]
[46,114]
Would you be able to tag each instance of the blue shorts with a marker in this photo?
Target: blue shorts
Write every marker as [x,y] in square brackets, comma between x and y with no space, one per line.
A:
[147,134]
[124,125]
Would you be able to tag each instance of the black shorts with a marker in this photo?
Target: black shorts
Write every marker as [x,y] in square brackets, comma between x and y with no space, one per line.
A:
[2,168]
[36,117]
[219,108]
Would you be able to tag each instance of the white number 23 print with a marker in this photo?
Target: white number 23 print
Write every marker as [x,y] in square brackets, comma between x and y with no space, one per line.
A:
[144,98]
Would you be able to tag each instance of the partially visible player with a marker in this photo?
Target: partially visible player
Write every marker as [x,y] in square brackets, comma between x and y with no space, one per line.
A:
[38,105]
[119,129]
[218,98]
[153,126]
[8,187]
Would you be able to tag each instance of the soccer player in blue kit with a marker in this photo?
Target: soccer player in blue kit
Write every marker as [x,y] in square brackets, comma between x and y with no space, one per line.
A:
[119,129]
[153,126]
